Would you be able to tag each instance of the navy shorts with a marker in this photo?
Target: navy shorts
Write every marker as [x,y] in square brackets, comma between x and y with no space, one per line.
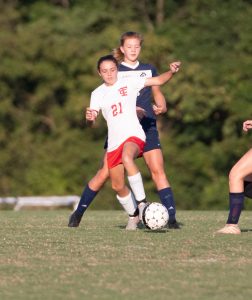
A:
[248,189]
[152,140]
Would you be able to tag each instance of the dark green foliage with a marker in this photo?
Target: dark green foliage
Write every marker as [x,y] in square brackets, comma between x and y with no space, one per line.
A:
[48,52]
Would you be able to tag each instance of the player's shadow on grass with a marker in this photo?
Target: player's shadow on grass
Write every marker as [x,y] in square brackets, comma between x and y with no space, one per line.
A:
[143,228]
[164,230]
[246,230]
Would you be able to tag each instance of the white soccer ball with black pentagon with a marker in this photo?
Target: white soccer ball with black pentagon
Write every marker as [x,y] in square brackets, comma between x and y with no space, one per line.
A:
[155,216]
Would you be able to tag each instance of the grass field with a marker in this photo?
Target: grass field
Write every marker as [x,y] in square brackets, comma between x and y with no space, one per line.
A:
[41,258]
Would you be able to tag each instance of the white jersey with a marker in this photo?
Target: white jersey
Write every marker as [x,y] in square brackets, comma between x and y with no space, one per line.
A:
[118,106]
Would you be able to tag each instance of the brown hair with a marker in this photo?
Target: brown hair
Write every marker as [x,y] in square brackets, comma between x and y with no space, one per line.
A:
[117,53]
[106,58]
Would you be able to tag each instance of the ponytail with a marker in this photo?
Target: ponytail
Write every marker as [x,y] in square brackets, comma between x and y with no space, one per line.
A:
[118,55]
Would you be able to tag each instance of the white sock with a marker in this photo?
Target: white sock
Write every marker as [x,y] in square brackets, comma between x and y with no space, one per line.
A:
[128,203]
[136,184]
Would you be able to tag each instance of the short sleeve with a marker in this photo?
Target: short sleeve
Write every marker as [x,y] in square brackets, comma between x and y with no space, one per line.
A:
[154,71]
[95,101]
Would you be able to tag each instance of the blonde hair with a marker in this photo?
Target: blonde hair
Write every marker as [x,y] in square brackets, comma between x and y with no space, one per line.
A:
[117,53]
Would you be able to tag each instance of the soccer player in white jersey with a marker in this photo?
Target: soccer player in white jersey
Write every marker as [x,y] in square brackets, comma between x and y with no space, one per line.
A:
[116,98]
[127,54]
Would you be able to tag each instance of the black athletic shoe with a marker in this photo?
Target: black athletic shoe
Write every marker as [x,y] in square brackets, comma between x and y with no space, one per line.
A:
[173,225]
[74,220]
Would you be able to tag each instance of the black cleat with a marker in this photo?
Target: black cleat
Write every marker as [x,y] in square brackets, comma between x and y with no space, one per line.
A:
[74,220]
[173,225]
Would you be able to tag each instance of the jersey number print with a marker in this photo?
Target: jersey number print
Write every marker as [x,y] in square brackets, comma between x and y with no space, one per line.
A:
[116,109]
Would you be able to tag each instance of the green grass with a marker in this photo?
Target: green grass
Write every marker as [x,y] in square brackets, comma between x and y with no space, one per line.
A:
[41,258]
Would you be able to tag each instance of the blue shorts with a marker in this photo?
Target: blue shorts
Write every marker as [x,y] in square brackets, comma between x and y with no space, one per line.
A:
[248,189]
[152,140]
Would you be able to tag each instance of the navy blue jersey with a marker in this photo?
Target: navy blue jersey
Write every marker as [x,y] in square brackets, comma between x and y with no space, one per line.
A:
[144,100]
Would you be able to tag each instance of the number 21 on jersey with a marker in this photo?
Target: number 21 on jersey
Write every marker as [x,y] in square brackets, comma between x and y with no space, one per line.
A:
[116,109]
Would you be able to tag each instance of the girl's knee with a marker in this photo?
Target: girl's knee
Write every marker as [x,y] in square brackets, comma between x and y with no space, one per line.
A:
[117,186]
[235,175]
[127,159]
[158,173]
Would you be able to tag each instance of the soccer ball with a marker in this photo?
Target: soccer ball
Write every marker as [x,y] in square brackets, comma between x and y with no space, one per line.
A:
[155,216]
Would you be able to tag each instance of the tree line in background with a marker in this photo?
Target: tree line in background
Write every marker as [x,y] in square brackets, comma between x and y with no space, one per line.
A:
[48,53]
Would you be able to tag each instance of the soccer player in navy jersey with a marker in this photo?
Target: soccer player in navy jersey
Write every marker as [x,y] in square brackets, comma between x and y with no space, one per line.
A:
[240,185]
[127,54]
